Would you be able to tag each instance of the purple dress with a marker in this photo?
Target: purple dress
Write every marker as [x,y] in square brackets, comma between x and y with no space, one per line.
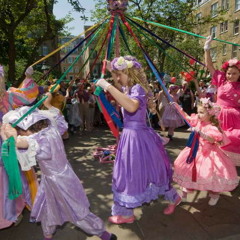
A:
[142,169]
[61,196]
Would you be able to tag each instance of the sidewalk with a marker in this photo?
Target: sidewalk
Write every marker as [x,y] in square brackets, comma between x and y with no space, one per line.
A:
[193,220]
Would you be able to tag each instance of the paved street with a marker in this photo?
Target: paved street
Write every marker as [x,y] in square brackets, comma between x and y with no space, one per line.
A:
[193,220]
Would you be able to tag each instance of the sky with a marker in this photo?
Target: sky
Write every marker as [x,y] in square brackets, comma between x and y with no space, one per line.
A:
[62,8]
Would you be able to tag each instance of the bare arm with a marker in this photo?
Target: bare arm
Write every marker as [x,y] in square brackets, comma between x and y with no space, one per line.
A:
[208,62]
[131,105]
[197,87]
[208,59]
[8,131]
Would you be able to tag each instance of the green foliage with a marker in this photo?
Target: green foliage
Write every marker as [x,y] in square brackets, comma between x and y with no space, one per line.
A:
[24,26]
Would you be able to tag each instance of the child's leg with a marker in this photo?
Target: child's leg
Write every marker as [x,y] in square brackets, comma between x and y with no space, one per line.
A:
[120,210]
[214,197]
[170,132]
[121,214]
[93,225]
[48,231]
[174,198]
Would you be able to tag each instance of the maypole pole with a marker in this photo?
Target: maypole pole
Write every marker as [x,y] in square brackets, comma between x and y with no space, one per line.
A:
[116,7]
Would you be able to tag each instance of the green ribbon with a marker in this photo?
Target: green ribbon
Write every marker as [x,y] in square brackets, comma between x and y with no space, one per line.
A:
[183,31]
[9,158]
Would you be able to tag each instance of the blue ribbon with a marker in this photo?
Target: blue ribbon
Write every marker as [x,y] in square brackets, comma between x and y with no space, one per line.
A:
[193,143]
[111,110]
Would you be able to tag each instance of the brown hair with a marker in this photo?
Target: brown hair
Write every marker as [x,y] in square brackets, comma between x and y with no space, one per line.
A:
[38,126]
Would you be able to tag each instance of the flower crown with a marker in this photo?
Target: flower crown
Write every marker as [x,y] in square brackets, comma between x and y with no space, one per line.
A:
[121,63]
[232,62]
[212,108]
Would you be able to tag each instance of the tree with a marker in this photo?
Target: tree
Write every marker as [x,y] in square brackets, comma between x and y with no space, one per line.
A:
[174,13]
[24,26]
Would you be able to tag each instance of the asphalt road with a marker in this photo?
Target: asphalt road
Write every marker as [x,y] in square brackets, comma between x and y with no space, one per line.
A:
[192,220]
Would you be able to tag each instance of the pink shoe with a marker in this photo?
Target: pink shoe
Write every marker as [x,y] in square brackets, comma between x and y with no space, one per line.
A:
[120,219]
[171,207]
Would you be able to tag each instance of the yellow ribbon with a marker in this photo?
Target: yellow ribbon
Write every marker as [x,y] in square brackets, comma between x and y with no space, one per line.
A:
[66,44]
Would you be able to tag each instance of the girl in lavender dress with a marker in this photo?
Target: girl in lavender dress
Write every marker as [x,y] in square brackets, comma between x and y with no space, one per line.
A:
[57,201]
[142,169]
[171,118]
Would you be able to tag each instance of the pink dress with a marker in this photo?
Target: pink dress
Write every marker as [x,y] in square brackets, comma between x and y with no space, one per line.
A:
[228,98]
[214,169]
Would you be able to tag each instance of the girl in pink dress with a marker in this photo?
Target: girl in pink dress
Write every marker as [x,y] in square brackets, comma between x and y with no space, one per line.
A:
[211,170]
[227,82]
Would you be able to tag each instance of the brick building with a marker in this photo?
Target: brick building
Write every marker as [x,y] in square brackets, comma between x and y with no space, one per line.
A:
[222,19]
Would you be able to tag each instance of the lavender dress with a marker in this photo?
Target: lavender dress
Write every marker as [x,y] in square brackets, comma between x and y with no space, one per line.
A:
[142,169]
[61,196]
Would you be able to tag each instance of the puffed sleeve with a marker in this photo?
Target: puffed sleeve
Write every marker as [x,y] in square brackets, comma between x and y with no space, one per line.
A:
[218,78]
[138,93]
[43,150]
[61,123]
[27,158]
[214,133]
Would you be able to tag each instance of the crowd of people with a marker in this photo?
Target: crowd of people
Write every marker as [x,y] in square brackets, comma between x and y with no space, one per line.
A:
[142,169]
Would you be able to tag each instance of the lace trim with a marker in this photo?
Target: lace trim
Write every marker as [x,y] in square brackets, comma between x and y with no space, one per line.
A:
[215,184]
[27,158]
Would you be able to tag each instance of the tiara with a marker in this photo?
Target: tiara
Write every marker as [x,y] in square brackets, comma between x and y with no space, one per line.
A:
[212,108]
[122,63]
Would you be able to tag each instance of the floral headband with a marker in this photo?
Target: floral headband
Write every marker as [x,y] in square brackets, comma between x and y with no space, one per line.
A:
[126,62]
[232,62]
[212,108]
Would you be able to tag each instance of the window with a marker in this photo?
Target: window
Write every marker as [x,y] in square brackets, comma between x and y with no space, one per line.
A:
[213,54]
[224,27]
[225,4]
[237,5]
[213,31]
[214,9]
[70,59]
[224,49]
[234,51]
[44,50]
[198,17]
[236,27]
[76,69]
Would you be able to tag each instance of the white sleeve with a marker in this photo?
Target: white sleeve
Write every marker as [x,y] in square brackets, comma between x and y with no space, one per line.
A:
[27,158]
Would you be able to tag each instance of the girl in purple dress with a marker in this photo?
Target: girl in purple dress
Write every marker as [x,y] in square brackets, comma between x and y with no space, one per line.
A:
[227,82]
[171,118]
[142,169]
[57,201]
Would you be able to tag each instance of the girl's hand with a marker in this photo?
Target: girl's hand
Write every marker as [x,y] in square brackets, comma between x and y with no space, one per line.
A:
[47,102]
[103,84]
[207,44]
[8,131]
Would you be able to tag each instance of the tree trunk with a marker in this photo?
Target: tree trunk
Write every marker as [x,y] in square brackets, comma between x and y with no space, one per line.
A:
[12,58]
